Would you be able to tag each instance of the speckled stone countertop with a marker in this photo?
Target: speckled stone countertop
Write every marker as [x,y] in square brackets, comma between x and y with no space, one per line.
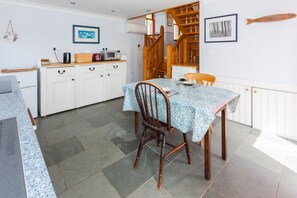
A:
[37,180]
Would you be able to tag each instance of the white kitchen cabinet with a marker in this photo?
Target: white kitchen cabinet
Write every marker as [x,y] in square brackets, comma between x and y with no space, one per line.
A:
[243,113]
[90,85]
[114,81]
[60,89]
[275,112]
[27,81]
[178,72]
[63,88]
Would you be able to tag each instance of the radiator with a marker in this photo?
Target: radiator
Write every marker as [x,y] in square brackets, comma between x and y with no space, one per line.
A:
[275,112]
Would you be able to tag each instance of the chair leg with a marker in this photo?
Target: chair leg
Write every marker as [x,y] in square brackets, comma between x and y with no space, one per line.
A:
[158,140]
[140,147]
[162,157]
[187,148]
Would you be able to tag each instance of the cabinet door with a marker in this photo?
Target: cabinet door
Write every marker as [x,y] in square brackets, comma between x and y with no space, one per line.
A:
[243,113]
[115,79]
[275,112]
[60,93]
[90,89]
[113,88]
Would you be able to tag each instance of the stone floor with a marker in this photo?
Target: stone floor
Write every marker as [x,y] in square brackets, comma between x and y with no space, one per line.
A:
[90,152]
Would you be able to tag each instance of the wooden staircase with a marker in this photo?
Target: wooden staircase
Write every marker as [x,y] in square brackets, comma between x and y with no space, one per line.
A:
[153,56]
[186,49]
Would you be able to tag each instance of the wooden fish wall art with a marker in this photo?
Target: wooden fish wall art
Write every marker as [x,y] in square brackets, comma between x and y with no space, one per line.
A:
[272,18]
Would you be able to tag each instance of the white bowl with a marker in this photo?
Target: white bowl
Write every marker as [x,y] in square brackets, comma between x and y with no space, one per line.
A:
[189,83]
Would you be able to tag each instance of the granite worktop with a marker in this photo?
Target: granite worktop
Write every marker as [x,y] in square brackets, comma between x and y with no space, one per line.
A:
[37,180]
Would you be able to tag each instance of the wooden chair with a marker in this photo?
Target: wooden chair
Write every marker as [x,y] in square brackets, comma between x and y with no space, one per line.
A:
[201,79]
[146,94]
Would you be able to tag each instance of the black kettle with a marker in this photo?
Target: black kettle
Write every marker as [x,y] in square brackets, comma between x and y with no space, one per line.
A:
[66,57]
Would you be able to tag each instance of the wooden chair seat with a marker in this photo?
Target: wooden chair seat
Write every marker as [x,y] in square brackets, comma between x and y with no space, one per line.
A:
[145,93]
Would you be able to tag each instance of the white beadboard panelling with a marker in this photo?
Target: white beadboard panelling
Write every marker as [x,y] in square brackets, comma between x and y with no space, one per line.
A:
[243,113]
[275,112]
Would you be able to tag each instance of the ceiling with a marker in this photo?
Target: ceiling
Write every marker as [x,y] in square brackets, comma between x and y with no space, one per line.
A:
[118,8]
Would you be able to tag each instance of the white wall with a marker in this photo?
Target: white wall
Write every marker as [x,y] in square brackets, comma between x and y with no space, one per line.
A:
[264,51]
[40,30]
[161,19]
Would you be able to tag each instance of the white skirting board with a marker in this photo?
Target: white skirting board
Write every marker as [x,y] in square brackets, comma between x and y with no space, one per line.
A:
[261,106]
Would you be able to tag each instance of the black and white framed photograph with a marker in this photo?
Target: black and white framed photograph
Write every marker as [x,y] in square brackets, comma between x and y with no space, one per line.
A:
[86,34]
[220,29]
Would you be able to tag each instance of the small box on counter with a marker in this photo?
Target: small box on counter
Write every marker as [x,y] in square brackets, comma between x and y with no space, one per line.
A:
[83,58]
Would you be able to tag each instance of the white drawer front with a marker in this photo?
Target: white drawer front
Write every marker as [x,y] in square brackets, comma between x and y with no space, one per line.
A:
[61,71]
[90,69]
[115,66]
[25,79]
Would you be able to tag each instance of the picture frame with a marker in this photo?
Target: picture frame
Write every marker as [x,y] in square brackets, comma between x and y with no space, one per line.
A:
[85,34]
[169,20]
[221,29]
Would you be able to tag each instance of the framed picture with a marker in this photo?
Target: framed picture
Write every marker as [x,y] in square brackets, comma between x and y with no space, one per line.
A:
[86,34]
[220,29]
[169,20]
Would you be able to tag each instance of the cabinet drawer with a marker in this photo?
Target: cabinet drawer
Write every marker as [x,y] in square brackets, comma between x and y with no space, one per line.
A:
[115,66]
[25,79]
[90,69]
[62,71]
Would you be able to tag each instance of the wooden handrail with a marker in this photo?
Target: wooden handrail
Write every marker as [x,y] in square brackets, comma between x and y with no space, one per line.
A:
[153,55]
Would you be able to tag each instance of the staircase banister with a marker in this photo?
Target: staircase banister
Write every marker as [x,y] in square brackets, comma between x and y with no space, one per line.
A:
[178,41]
[158,39]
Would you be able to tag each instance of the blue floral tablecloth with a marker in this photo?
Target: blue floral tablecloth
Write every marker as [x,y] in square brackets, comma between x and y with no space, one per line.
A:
[192,109]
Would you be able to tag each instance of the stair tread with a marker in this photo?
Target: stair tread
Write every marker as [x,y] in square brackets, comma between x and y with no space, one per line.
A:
[189,24]
[191,33]
[191,13]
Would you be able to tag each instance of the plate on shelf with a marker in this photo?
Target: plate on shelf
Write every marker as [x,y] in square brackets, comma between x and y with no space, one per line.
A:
[188,83]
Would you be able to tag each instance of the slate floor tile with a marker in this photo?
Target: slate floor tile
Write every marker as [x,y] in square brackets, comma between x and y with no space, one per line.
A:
[77,115]
[101,134]
[84,164]
[41,139]
[242,178]
[153,145]
[127,143]
[68,131]
[96,186]
[264,152]
[211,193]
[62,150]
[127,123]
[183,180]
[125,179]
[57,179]
[149,190]
[288,183]
[49,123]
[103,119]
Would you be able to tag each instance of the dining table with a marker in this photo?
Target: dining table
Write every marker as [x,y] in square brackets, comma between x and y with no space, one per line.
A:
[193,108]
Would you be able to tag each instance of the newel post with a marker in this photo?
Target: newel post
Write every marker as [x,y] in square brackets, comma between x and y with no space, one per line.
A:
[145,62]
[169,60]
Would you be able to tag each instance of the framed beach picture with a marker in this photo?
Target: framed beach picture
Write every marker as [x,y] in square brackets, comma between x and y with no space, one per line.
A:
[220,29]
[86,34]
